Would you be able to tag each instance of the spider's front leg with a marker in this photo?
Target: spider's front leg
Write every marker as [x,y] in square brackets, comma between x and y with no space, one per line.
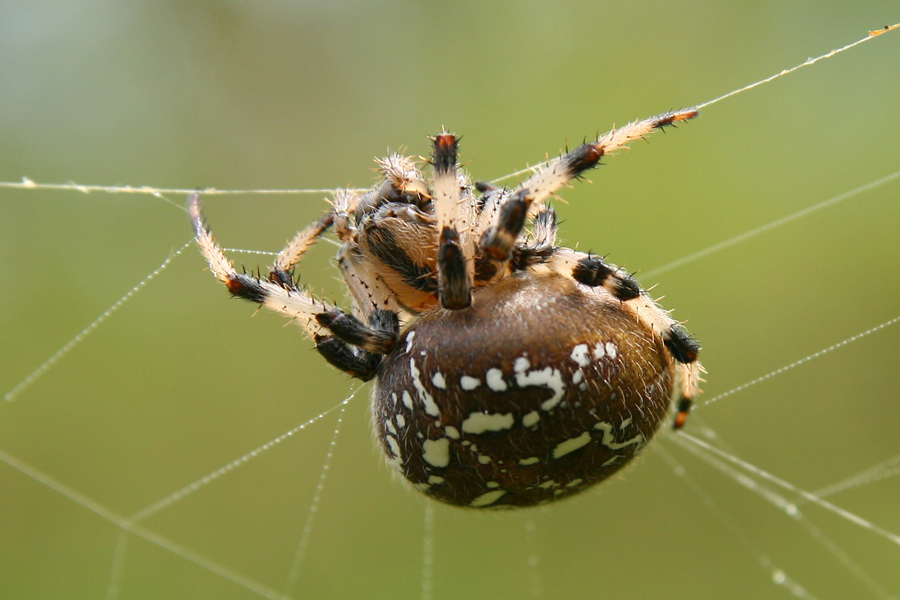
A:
[334,331]
[498,241]
[454,260]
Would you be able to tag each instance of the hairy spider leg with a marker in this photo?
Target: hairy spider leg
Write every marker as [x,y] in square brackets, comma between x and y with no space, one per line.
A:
[301,307]
[333,330]
[593,271]
[499,240]
[287,259]
[453,265]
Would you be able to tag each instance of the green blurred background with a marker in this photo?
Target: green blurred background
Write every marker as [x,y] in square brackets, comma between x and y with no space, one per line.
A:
[180,381]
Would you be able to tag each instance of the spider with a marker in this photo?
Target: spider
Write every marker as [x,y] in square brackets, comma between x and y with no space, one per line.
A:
[510,371]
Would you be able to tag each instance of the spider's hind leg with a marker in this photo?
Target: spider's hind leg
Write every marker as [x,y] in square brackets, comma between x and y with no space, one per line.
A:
[593,271]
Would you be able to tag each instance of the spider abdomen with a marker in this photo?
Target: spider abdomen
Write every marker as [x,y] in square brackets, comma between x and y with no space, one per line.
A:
[542,388]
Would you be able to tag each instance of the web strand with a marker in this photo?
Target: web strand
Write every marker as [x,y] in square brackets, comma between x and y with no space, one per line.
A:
[29,184]
[809,496]
[778,575]
[802,361]
[810,61]
[428,552]
[238,462]
[789,508]
[306,534]
[81,335]
[747,235]
[130,524]
[127,525]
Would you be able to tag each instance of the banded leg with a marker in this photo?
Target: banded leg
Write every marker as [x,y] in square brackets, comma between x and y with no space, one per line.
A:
[333,330]
[287,259]
[374,341]
[499,240]
[403,182]
[593,271]
[454,270]
[688,389]
[297,305]
[541,246]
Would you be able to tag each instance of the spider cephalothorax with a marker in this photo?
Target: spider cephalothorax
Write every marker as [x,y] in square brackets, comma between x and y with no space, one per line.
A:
[509,371]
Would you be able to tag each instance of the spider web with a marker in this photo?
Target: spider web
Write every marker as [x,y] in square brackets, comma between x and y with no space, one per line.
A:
[138,462]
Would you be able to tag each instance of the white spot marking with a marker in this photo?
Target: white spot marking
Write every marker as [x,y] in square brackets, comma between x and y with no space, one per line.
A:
[488,498]
[531,460]
[484,459]
[427,399]
[434,479]
[436,452]
[531,418]
[394,446]
[548,377]
[452,432]
[580,355]
[572,444]
[438,381]
[549,484]
[611,350]
[401,421]
[495,380]
[578,376]
[609,440]
[574,482]
[469,383]
[390,427]
[407,400]
[625,423]
[599,351]
[492,484]
[481,422]
[409,340]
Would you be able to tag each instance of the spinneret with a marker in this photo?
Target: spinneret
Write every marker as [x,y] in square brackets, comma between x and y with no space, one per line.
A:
[509,371]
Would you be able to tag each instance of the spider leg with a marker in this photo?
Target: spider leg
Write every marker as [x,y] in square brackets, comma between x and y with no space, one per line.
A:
[403,182]
[333,330]
[687,390]
[541,245]
[360,364]
[499,240]
[379,336]
[294,250]
[453,266]
[371,342]
[368,291]
[299,306]
[593,271]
